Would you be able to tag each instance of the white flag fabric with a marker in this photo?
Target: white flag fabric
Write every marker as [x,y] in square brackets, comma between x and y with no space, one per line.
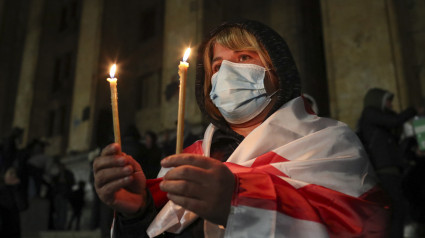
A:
[298,175]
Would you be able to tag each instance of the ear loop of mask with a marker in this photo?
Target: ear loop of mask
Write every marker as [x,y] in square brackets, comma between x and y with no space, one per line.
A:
[271,71]
[273,93]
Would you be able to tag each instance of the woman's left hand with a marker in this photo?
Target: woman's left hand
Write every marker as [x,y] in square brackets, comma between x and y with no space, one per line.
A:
[200,184]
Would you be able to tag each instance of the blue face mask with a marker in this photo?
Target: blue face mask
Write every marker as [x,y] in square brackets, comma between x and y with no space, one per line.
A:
[238,91]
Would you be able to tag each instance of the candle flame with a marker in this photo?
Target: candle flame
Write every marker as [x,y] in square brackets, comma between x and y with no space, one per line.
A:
[112,71]
[186,54]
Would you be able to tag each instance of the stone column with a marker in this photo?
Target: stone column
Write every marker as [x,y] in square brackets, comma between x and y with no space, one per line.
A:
[83,101]
[182,29]
[418,38]
[285,20]
[362,51]
[1,10]
[25,90]
[411,18]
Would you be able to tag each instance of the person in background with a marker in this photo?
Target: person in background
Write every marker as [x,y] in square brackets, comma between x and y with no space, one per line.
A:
[152,156]
[13,184]
[77,202]
[147,154]
[62,183]
[169,145]
[131,141]
[132,145]
[9,210]
[10,148]
[380,128]
[266,167]
[38,163]
[413,186]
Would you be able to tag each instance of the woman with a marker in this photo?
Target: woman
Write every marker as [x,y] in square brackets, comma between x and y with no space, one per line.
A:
[286,172]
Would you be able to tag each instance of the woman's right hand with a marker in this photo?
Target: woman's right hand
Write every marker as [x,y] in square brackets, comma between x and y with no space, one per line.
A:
[119,181]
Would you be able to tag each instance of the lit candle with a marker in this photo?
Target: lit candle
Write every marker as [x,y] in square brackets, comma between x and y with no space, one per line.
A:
[114,103]
[182,97]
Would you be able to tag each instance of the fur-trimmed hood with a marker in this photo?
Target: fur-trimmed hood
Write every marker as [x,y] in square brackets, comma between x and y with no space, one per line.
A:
[376,98]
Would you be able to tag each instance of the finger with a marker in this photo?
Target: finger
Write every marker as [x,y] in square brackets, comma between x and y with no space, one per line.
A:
[187,172]
[111,149]
[188,159]
[134,163]
[139,184]
[182,188]
[107,192]
[192,204]
[103,162]
[109,175]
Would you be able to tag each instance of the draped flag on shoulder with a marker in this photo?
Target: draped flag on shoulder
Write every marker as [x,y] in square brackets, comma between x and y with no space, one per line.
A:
[298,175]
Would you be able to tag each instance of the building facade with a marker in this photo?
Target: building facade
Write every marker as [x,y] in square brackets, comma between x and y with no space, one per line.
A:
[56,57]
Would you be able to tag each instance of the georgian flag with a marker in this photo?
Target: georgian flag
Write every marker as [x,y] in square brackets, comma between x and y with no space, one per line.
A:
[298,175]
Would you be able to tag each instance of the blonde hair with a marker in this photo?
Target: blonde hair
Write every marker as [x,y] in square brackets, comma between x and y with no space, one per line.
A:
[234,38]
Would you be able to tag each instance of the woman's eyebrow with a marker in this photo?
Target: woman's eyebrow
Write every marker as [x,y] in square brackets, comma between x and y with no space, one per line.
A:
[243,51]
[216,59]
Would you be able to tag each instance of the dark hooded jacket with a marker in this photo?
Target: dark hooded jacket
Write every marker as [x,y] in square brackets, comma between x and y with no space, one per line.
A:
[379,129]
[225,140]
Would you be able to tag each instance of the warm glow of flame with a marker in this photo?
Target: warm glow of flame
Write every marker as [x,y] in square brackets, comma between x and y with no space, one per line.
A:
[186,54]
[112,71]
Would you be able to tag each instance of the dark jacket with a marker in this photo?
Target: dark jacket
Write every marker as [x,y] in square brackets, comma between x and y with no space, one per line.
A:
[380,127]
[225,140]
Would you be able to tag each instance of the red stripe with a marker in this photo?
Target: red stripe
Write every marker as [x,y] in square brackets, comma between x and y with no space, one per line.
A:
[344,214]
[340,213]
[159,197]
[262,190]
[307,106]
[264,161]
[268,158]
[195,148]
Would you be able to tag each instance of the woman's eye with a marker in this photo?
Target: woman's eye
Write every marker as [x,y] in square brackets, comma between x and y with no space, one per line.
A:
[243,58]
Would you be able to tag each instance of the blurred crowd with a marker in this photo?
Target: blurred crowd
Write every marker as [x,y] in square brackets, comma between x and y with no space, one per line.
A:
[30,173]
